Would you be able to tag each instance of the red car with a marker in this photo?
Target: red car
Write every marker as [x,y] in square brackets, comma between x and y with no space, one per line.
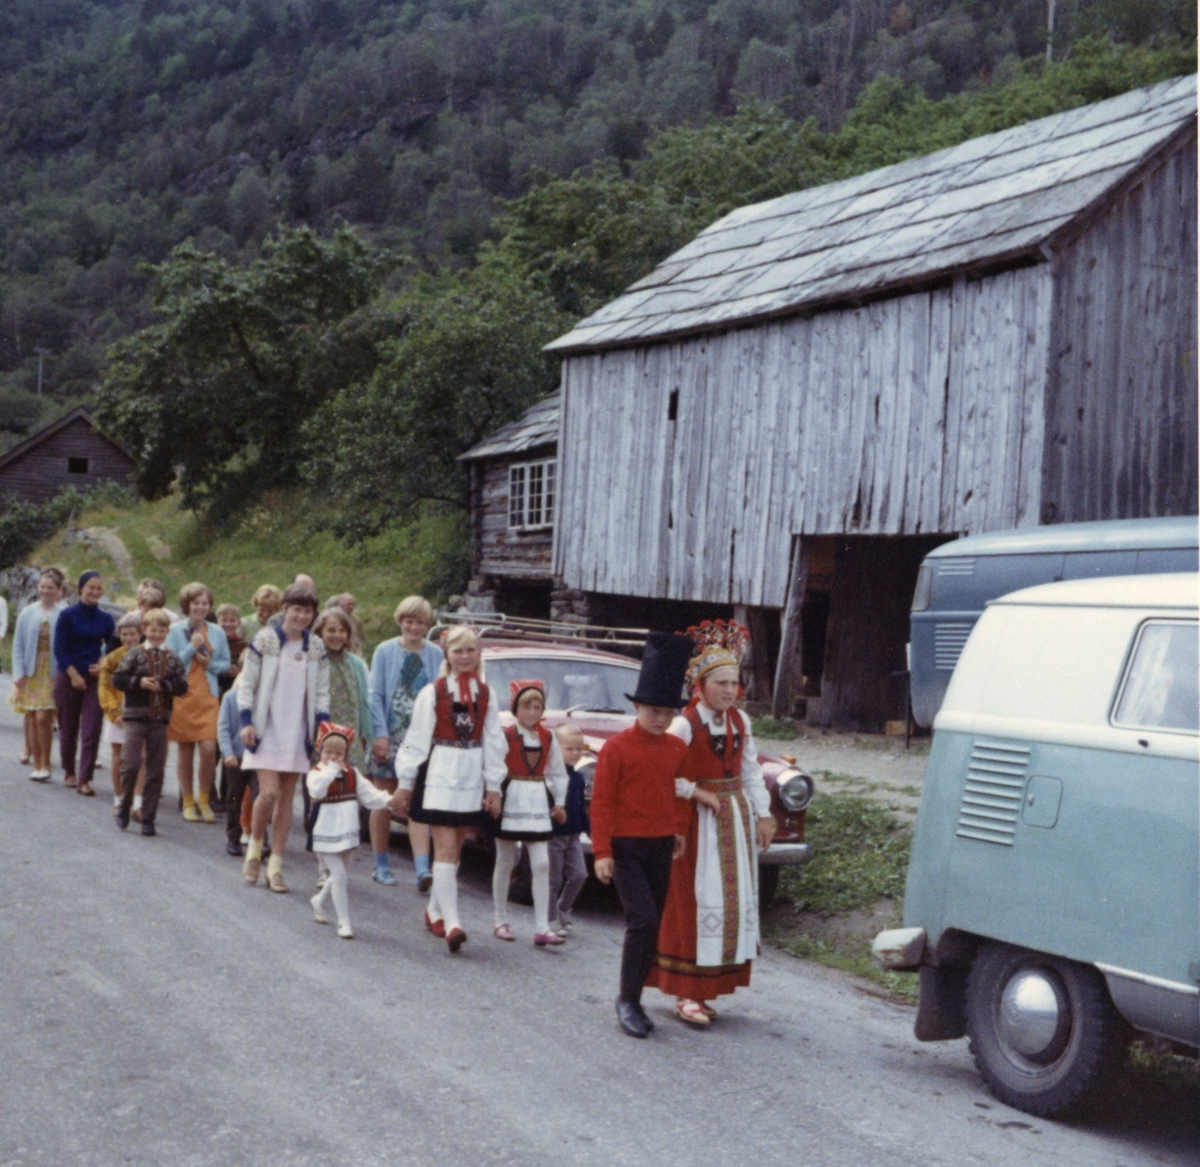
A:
[588,686]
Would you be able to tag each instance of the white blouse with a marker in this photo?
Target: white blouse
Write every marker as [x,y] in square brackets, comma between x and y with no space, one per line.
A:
[418,745]
[753,785]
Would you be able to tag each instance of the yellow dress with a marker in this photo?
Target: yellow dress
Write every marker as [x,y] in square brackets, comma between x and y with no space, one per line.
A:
[39,688]
[194,716]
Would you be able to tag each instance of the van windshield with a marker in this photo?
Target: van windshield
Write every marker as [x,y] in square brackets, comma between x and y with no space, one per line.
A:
[1162,684]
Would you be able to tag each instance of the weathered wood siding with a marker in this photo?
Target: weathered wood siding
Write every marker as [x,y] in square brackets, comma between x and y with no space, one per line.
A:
[912,415]
[1121,434]
[498,550]
[41,471]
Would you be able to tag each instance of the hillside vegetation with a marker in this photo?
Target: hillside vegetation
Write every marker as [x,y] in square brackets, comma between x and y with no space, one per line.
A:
[273,540]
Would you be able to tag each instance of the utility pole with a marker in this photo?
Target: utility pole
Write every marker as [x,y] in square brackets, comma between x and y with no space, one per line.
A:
[1050,31]
[41,353]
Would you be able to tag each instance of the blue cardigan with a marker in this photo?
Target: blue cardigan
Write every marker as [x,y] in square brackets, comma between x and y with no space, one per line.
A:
[81,636]
[229,727]
[179,641]
[25,638]
[387,662]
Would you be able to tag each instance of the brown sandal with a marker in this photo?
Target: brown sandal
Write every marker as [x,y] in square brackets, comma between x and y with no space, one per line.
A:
[69,780]
[84,789]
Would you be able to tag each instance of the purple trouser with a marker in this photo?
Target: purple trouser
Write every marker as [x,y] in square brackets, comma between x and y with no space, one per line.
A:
[79,720]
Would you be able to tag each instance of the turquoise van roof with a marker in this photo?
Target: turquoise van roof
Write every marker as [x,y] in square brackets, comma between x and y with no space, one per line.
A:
[1173,589]
[1108,535]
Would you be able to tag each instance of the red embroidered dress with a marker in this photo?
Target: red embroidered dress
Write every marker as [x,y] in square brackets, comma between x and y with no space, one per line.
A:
[709,931]
[537,781]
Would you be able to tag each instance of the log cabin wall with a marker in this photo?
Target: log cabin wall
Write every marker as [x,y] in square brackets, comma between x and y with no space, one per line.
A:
[686,466]
[497,549]
[58,460]
[1121,418]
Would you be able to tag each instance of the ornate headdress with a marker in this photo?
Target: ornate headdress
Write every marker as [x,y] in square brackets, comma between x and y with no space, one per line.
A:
[717,643]
[329,729]
[517,689]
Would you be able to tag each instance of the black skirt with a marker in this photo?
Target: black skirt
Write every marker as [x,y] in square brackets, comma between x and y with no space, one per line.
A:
[439,818]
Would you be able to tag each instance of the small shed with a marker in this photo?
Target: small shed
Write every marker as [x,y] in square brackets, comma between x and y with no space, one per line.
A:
[789,412]
[68,452]
[513,497]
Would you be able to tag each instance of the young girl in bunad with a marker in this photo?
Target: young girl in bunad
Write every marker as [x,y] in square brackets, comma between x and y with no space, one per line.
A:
[129,632]
[709,931]
[537,779]
[337,790]
[33,669]
[451,764]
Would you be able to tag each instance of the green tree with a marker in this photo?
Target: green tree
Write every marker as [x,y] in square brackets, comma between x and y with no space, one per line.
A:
[467,360]
[216,394]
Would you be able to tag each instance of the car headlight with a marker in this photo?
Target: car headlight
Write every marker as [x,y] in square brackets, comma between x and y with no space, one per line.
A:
[795,790]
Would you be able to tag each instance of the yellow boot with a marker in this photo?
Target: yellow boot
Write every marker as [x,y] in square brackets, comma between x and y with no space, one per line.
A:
[206,811]
[190,813]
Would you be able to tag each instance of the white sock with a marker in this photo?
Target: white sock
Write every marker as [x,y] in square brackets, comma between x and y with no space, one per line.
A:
[445,887]
[116,800]
[337,883]
[137,802]
[539,867]
[506,858]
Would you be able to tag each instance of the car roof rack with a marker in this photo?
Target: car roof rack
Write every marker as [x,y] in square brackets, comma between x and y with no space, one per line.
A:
[498,626]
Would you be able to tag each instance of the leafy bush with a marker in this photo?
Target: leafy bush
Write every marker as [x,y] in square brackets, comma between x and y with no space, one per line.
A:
[24,525]
[780,729]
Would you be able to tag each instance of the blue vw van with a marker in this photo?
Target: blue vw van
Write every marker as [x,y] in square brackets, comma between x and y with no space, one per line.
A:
[956,580]
[1053,896]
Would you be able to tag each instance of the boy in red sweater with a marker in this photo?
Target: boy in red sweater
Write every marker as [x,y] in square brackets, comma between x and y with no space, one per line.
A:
[634,815]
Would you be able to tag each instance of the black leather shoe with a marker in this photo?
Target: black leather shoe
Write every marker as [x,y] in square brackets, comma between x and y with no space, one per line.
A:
[631,1018]
[148,828]
[234,848]
[645,1018]
[122,817]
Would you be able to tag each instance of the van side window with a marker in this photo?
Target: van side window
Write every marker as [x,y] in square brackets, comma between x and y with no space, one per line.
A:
[1161,689]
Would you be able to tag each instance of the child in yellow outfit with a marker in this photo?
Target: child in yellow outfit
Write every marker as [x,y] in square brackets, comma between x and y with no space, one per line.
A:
[129,629]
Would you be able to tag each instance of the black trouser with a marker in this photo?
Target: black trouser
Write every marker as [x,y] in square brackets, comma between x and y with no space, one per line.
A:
[642,873]
[144,740]
[236,781]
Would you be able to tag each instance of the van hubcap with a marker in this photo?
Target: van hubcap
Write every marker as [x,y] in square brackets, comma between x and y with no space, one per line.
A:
[1035,1015]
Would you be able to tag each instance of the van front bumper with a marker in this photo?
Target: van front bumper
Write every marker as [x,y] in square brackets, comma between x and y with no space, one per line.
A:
[786,855]
[899,949]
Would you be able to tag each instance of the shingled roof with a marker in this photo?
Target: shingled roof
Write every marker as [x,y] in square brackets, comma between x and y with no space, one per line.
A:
[1003,198]
[537,426]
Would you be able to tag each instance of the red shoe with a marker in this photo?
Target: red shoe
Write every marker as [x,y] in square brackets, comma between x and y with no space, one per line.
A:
[437,927]
[456,938]
[547,940]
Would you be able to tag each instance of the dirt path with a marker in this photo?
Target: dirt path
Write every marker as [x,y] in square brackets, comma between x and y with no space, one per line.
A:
[871,765]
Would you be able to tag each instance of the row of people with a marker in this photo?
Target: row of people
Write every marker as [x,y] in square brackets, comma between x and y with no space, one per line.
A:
[441,757]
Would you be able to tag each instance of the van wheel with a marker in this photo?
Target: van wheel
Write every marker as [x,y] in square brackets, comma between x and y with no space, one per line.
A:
[1043,1032]
[768,885]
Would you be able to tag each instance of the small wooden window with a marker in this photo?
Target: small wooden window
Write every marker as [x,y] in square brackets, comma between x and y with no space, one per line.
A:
[531,494]
[77,465]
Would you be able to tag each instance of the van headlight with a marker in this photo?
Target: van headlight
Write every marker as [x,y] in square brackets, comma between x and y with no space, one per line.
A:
[795,790]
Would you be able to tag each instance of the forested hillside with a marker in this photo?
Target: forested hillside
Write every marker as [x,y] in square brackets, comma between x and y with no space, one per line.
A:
[128,126]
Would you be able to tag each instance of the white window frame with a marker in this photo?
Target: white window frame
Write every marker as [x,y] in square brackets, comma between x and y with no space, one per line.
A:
[532,494]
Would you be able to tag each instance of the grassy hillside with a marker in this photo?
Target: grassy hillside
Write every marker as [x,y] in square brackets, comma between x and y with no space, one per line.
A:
[269,545]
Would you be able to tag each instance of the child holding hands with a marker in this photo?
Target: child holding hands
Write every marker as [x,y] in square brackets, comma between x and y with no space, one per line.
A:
[129,631]
[337,791]
[568,871]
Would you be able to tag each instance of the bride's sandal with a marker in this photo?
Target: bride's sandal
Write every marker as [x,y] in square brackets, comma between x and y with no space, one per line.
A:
[691,1011]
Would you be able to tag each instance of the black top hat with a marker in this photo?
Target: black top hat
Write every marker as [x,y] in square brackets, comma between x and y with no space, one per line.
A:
[664,666]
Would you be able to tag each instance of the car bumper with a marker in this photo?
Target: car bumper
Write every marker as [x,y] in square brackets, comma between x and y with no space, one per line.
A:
[786,855]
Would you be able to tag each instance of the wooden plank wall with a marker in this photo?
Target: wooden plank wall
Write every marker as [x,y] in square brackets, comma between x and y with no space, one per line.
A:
[1121,432]
[911,415]
[41,471]
[497,550]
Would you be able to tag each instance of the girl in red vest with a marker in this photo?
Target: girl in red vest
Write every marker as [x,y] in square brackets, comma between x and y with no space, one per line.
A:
[537,781]
[337,791]
[449,770]
[709,931]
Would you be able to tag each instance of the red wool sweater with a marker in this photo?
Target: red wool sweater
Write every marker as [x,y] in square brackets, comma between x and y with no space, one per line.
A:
[633,795]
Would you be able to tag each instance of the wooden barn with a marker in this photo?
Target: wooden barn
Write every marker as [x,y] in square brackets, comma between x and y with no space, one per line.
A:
[788,413]
[68,452]
[513,496]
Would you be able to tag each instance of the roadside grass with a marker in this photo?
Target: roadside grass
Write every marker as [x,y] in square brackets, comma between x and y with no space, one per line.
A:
[830,910]
[1160,1063]
[268,543]
[780,729]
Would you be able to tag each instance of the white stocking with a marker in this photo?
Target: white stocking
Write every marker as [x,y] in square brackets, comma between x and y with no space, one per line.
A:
[445,888]
[506,858]
[539,868]
[337,884]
